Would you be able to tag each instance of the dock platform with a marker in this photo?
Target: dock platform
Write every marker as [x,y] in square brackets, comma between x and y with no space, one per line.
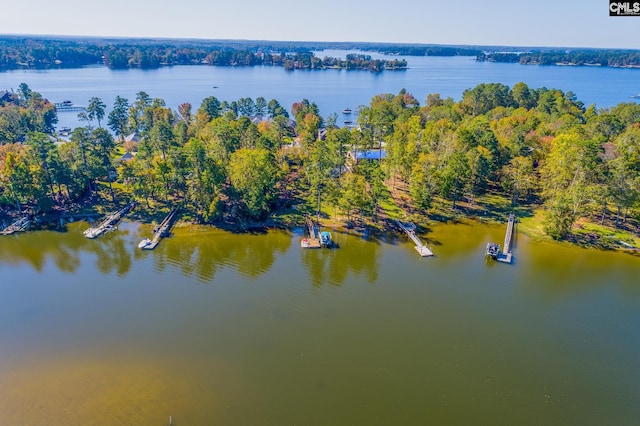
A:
[108,224]
[410,229]
[504,255]
[160,232]
[17,226]
[314,236]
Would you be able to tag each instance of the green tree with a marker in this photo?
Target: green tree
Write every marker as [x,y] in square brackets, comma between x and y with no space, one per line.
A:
[96,110]
[253,174]
[568,178]
[119,117]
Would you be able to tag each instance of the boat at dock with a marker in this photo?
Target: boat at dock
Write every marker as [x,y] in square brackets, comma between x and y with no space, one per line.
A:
[493,249]
[109,223]
[161,231]
[144,243]
[326,239]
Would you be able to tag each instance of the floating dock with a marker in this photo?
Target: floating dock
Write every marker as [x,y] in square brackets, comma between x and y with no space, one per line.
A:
[108,224]
[314,236]
[410,229]
[67,106]
[493,249]
[17,226]
[160,232]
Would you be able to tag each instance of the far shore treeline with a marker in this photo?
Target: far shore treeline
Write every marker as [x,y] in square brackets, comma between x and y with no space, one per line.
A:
[47,52]
[44,53]
[245,160]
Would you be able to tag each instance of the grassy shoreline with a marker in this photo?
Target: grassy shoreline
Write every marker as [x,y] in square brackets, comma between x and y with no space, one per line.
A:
[493,208]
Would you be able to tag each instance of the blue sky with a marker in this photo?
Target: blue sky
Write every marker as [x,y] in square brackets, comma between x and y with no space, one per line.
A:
[570,23]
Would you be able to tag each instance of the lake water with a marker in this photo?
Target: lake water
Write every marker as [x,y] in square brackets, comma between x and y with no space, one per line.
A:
[331,90]
[249,329]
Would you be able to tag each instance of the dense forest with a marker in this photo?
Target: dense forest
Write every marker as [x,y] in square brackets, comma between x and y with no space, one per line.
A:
[246,159]
[589,57]
[43,53]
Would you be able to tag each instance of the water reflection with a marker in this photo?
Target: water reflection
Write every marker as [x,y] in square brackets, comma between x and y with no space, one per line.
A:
[332,266]
[202,252]
[67,250]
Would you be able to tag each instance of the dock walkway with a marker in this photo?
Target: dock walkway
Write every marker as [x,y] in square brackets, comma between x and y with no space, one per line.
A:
[161,231]
[410,229]
[506,256]
[17,226]
[108,224]
[64,107]
[314,235]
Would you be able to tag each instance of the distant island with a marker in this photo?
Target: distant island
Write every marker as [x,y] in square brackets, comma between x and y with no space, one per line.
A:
[576,57]
[36,52]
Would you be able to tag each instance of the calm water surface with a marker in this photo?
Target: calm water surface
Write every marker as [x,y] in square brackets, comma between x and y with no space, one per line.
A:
[245,329]
[331,90]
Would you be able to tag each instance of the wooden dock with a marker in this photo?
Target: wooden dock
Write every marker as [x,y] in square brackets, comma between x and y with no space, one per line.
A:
[314,235]
[504,255]
[108,224]
[160,232]
[66,107]
[17,226]
[410,229]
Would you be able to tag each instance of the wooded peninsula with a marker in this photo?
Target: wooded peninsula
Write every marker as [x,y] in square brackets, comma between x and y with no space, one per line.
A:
[574,170]
[72,52]
[47,52]
[568,57]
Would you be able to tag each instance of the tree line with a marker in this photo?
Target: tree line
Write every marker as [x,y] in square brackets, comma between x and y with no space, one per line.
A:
[146,54]
[249,158]
[594,57]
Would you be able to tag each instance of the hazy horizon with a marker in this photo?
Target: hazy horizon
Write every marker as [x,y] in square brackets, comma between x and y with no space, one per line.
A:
[546,23]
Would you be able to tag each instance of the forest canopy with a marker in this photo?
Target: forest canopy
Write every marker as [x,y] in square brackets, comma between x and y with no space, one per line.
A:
[249,158]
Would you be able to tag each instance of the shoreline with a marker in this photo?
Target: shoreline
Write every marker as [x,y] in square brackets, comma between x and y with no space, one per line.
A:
[583,235]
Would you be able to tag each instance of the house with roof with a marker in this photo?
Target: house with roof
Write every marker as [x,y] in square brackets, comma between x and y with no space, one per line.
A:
[5,96]
[133,137]
[377,154]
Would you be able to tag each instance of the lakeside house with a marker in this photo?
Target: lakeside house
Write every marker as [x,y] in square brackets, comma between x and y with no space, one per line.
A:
[377,154]
[5,96]
[126,157]
[133,137]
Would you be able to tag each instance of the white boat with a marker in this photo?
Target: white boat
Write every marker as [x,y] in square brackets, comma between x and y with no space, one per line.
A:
[144,243]
[304,243]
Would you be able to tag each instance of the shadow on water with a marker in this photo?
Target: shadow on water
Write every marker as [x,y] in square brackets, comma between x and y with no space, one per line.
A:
[356,255]
[202,252]
[67,249]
